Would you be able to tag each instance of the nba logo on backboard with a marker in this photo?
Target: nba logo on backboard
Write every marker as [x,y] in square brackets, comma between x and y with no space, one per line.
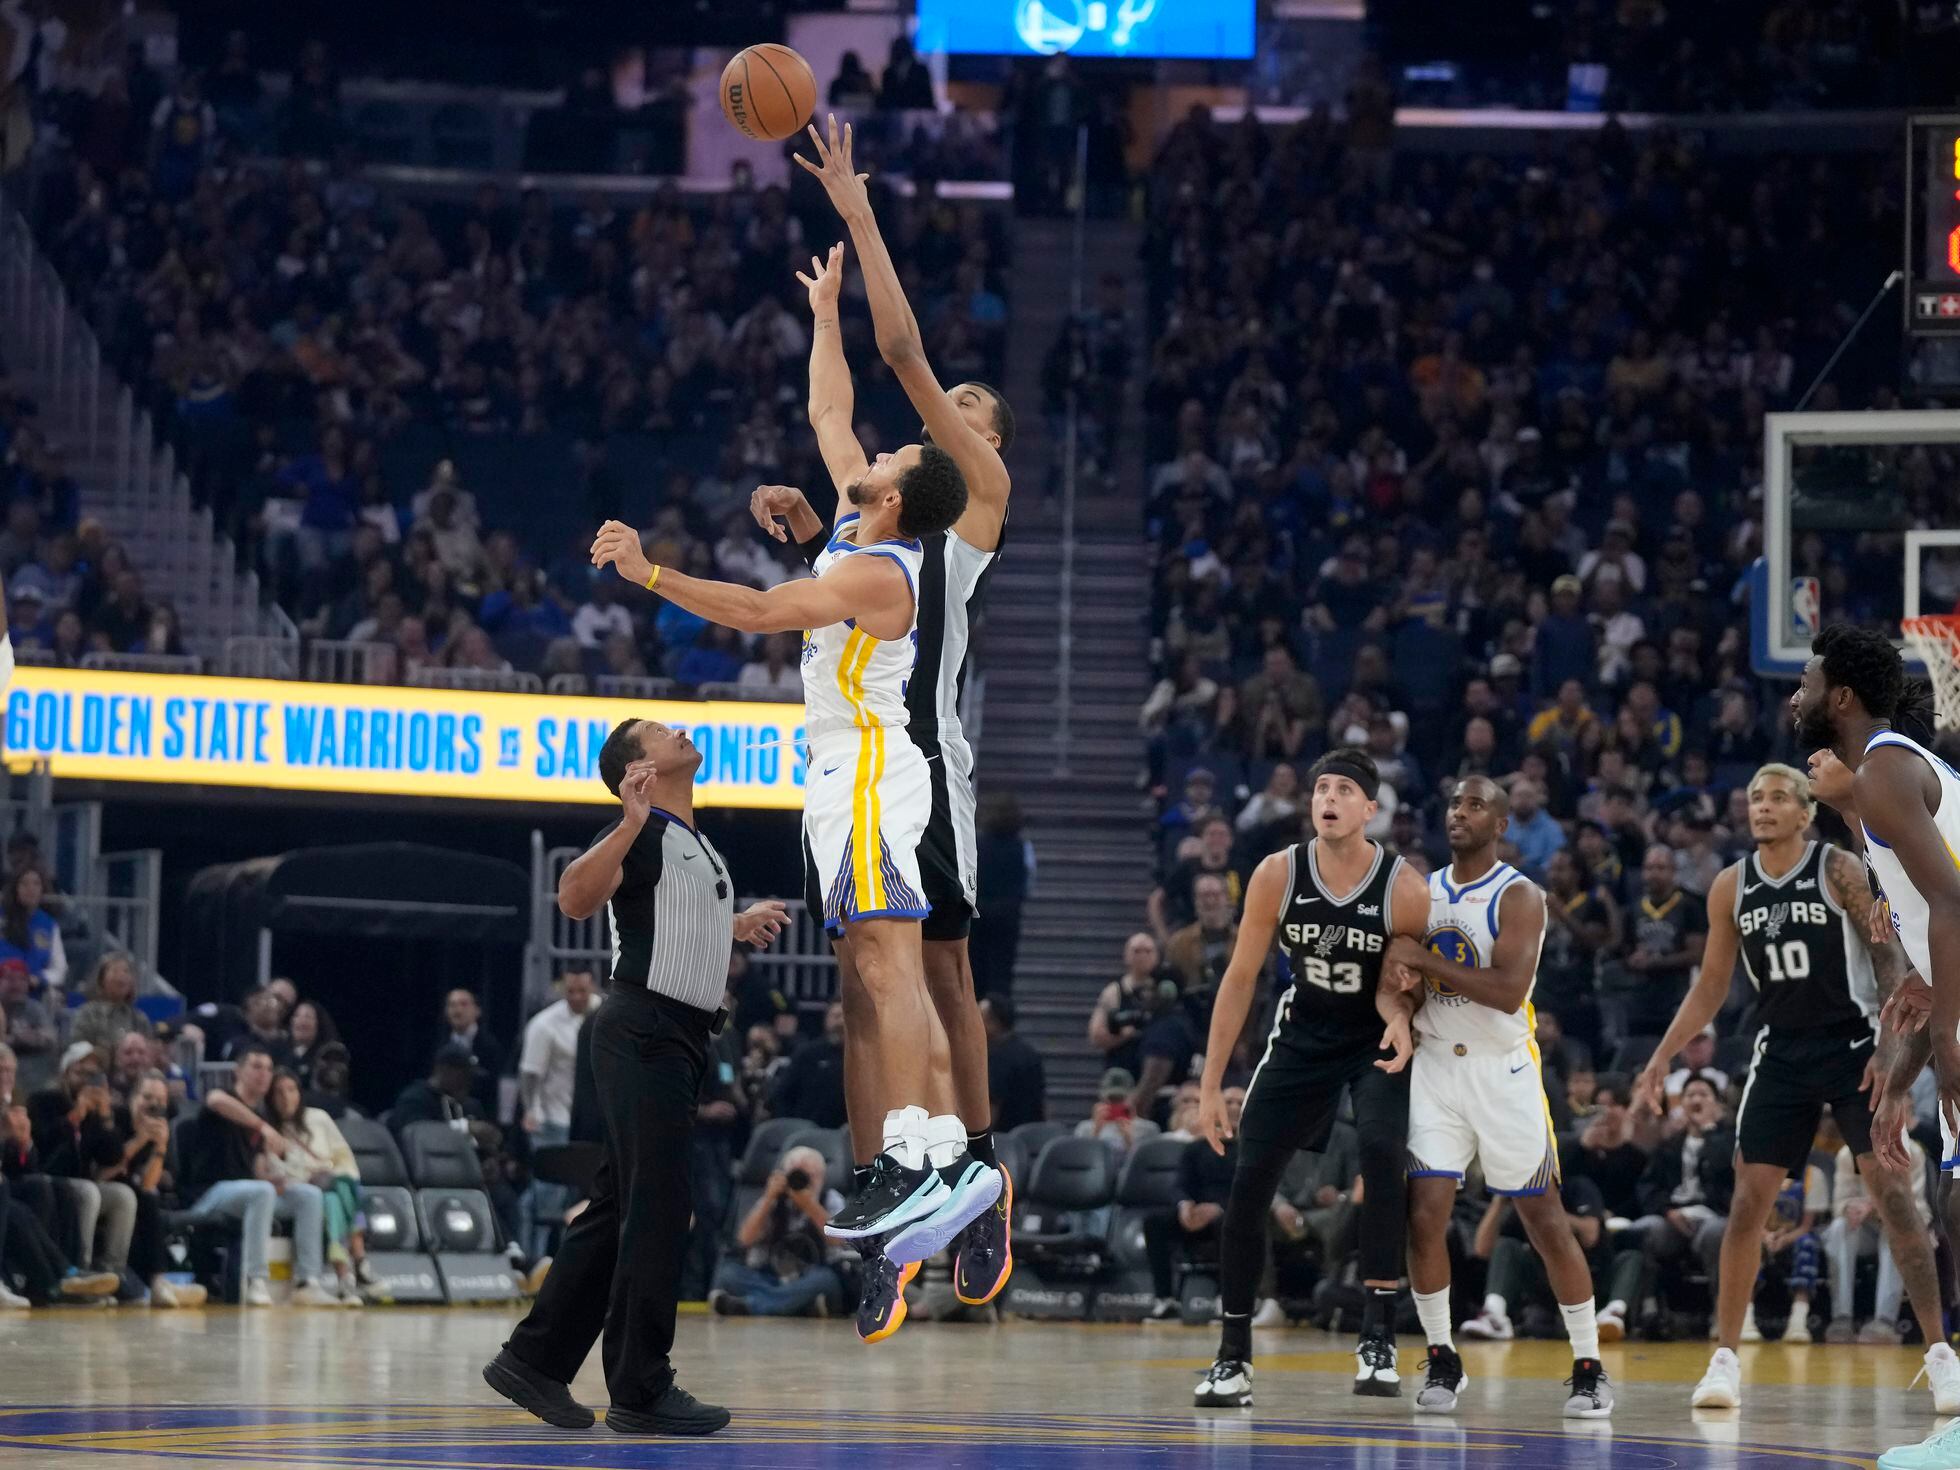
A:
[1806,607]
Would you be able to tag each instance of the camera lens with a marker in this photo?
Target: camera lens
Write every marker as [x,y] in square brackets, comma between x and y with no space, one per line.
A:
[797,1179]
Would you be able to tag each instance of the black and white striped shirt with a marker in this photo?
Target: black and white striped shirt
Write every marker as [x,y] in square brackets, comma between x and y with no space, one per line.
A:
[672,916]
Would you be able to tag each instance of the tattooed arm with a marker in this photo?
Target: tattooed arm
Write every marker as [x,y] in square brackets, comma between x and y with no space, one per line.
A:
[1901,1054]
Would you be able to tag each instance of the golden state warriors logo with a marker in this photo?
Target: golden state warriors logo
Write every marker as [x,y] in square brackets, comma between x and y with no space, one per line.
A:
[1454,945]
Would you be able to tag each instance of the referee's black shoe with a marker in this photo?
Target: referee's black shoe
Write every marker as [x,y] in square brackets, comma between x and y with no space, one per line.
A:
[535,1393]
[675,1412]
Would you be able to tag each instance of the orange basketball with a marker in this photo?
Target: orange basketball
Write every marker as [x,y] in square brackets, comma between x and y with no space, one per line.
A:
[767,91]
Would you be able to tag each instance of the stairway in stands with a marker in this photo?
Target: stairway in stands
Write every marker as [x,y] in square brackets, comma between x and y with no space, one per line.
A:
[1085,822]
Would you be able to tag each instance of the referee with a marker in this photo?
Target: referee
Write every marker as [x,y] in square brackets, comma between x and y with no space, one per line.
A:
[668,897]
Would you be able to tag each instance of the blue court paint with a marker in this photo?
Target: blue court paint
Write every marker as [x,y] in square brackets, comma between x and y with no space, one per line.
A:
[440,1435]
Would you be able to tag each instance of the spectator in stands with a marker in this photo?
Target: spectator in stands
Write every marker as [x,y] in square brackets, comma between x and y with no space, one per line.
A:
[29,933]
[1017,1083]
[1004,870]
[1198,953]
[1277,708]
[1174,903]
[1853,1234]
[1697,1059]
[852,89]
[775,670]
[1204,1182]
[784,1270]
[332,1075]
[906,85]
[1670,929]
[311,1028]
[1534,831]
[1273,808]
[31,1030]
[109,1010]
[546,1070]
[1516,1277]
[1123,1009]
[1685,1192]
[463,1017]
[75,1135]
[601,615]
[1190,812]
[812,1085]
[265,1029]
[1180,715]
[135,1055]
[317,1154]
[227,1143]
[1113,1117]
[441,1097]
[1172,1040]
[1581,922]
[148,1167]
[30,1217]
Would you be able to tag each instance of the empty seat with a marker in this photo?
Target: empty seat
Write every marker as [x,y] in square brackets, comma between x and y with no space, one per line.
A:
[386,1198]
[1148,1184]
[1072,1180]
[450,1199]
[1034,1137]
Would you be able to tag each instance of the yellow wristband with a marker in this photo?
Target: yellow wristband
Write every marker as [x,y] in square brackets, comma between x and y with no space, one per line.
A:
[652,577]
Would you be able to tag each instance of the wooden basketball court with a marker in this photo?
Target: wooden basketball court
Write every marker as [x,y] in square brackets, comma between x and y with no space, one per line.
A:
[381,1387]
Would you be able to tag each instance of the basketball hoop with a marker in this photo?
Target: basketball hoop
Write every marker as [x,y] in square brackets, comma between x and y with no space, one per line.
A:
[1936,640]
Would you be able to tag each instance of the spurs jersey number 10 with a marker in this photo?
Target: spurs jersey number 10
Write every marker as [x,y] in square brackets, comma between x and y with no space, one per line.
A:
[1909,910]
[1463,928]
[1810,968]
[850,679]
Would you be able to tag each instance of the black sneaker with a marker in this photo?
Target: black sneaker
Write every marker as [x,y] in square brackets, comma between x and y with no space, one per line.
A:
[893,1196]
[1592,1391]
[727,1303]
[534,1393]
[1443,1382]
[986,1254]
[1226,1385]
[675,1412]
[1374,1367]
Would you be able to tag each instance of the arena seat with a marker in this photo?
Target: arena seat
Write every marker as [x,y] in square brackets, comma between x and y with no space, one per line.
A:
[1073,1180]
[210,1241]
[1148,1183]
[1034,1137]
[386,1198]
[450,1199]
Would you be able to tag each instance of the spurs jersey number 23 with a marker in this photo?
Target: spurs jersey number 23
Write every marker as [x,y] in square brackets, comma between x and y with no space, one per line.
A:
[1909,909]
[850,679]
[1333,945]
[1463,927]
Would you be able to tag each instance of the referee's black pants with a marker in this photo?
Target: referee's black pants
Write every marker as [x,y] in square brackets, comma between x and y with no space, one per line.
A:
[620,1265]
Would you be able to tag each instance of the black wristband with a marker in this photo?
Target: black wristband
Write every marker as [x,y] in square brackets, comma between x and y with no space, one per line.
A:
[813,548]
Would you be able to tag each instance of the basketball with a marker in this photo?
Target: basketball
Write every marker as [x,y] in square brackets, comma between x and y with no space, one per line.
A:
[767,92]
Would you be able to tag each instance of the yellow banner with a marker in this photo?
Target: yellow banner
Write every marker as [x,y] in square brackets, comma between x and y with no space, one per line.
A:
[282,735]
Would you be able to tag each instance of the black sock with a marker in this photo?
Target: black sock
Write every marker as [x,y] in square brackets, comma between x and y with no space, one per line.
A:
[1235,1340]
[1378,1311]
[860,1176]
[981,1146]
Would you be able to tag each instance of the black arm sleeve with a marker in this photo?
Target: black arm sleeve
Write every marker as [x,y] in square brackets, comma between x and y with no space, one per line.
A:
[813,548]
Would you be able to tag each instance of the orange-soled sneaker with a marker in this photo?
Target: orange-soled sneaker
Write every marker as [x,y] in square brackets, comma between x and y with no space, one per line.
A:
[986,1253]
[881,1310]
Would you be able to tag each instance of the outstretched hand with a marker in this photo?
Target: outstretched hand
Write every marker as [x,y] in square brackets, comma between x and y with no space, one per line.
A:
[760,923]
[835,170]
[771,505]
[636,791]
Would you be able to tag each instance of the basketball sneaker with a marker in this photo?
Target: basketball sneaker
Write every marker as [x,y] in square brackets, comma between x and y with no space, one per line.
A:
[1942,1370]
[968,1189]
[893,1196]
[1227,1384]
[1489,1326]
[1721,1385]
[1592,1393]
[985,1258]
[881,1307]
[1374,1367]
[1443,1382]
[1938,1451]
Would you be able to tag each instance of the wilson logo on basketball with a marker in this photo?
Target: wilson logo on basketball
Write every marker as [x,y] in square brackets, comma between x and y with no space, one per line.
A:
[738,109]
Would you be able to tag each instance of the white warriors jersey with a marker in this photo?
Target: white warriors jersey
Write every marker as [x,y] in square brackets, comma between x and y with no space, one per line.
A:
[1909,909]
[1463,928]
[850,679]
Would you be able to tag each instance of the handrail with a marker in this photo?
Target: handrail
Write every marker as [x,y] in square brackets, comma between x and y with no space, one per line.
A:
[1065,571]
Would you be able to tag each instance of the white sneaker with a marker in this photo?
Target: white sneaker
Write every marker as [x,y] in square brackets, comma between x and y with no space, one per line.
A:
[1798,1332]
[1612,1322]
[257,1293]
[312,1294]
[1750,1331]
[163,1294]
[1721,1385]
[1227,1384]
[11,1302]
[1489,1326]
[1269,1314]
[1943,1376]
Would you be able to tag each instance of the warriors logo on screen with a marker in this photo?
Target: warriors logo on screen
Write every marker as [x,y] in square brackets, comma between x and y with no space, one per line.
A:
[1197,28]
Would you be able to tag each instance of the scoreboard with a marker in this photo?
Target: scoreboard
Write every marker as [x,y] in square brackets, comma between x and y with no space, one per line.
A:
[1933,226]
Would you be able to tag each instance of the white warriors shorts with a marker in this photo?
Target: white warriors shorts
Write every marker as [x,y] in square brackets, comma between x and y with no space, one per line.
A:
[866,800]
[1487,1105]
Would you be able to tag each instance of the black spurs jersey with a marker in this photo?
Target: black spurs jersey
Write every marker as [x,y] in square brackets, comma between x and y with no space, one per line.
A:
[1804,955]
[1333,946]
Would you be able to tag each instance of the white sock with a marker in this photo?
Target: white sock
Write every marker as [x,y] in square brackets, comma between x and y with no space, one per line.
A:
[1433,1307]
[1617,1308]
[1583,1328]
[905,1136]
[1494,1306]
[945,1140]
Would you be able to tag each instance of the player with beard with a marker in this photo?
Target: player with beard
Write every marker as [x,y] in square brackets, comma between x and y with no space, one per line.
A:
[1342,1026]
[1477,1092]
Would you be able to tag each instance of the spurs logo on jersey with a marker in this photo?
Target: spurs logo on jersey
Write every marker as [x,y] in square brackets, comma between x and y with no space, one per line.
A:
[1808,964]
[1336,964]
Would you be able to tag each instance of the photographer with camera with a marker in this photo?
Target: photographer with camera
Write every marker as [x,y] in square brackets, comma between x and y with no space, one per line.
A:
[1123,1009]
[784,1271]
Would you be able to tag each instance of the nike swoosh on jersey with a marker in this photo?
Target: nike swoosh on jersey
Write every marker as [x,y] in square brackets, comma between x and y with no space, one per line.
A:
[1306,898]
[1519,1068]
[830,770]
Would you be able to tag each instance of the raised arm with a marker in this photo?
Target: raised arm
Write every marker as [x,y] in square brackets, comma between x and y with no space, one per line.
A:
[1703,1002]
[875,590]
[900,342]
[832,398]
[1263,897]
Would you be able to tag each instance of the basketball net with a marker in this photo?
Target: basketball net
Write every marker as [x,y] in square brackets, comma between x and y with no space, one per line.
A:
[1936,640]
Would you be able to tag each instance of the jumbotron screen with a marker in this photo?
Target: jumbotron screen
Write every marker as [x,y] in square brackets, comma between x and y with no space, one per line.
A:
[1191,28]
